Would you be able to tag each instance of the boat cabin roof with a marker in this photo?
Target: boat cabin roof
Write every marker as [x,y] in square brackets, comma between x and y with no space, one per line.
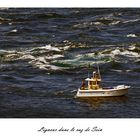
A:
[88,79]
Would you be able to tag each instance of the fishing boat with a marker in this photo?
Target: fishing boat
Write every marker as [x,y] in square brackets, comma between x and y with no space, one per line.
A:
[91,87]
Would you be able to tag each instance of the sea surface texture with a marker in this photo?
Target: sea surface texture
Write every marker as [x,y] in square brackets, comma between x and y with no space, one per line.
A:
[45,54]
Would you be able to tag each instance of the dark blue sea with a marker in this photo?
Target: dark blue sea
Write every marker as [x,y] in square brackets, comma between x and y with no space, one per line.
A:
[44,54]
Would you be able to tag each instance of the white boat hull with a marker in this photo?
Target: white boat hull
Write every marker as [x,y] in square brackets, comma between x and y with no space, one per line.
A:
[103,92]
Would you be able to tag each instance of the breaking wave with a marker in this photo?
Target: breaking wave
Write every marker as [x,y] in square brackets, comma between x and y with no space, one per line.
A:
[53,58]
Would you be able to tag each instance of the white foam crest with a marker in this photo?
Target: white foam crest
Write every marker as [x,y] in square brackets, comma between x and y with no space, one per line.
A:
[43,65]
[97,23]
[10,23]
[54,57]
[117,70]
[65,48]
[27,56]
[43,49]
[132,20]
[49,47]
[53,67]
[130,54]
[116,52]
[1,18]
[138,60]
[39,60]
[14,31]
[39,65]
[132,47]
[131,35]
[83,25]
[6,51]
[114,23]
[125,53]
[8,55]
[3,52]
[4,19]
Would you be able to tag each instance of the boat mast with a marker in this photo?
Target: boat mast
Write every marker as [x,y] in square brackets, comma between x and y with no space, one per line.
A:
[98,70]
[88,69]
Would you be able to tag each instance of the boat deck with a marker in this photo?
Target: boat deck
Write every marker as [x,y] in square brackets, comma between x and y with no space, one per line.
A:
[103,92]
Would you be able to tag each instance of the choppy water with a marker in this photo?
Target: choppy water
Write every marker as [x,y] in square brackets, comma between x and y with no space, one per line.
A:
[44,55]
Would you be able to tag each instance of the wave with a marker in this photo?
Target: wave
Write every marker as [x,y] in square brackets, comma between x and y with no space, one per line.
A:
[53,58]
